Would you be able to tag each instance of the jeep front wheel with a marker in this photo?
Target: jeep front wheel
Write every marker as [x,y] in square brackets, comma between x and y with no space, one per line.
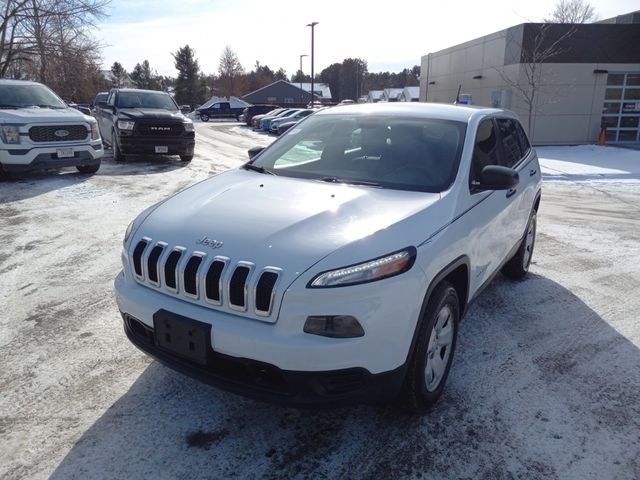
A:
[204,117]
[431,359]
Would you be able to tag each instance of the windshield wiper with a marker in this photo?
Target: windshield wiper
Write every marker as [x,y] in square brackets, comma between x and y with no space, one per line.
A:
[256,168]
[349,181]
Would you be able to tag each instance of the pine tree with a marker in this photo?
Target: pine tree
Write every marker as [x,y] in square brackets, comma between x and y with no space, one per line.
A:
[189,88]
[144,77]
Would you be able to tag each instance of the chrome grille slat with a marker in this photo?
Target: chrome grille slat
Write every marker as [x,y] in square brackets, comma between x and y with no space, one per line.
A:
[209,281]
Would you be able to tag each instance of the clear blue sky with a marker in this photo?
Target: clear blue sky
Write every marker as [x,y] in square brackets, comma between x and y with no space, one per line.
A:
[388,35]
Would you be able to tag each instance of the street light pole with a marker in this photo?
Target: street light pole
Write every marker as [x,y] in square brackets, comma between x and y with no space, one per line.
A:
[301,75]
[312,25]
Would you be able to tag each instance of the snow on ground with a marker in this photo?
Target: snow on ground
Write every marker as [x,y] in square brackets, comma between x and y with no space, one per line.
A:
[589,162]
[545,383]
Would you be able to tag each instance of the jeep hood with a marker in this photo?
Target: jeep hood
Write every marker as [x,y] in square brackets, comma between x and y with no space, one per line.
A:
[37,115]
[275,220]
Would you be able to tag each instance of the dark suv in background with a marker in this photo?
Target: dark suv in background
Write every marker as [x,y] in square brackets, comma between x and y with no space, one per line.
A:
[136,121]
[253,110]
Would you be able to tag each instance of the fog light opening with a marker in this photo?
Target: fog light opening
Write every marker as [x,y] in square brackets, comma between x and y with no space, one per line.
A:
[334,326]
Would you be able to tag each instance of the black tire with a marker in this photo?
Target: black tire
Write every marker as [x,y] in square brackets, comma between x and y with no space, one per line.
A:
[117,153]
[204,117]
[417,394]
[186,158]
[88,168]
[518,266]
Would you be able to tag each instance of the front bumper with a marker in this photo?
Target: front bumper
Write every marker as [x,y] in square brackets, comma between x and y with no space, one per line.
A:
[266,382]
[37,159]
[131,145]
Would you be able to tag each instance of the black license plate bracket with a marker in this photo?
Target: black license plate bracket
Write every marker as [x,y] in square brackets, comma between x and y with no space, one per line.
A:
[182,336]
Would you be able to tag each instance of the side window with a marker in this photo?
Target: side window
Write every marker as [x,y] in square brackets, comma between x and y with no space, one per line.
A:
[513,151]
[112,98]
[485,149]
[522,136]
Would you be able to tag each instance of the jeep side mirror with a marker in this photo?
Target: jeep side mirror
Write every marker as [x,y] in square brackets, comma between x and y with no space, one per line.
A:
[254,151]
[497,177]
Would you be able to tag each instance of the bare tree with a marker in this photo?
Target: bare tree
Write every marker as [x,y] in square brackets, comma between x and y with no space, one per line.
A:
[535,51]
[46,40]
[572,11]
[229,68]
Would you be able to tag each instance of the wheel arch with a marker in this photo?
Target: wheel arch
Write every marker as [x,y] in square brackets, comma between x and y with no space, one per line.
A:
[456,273]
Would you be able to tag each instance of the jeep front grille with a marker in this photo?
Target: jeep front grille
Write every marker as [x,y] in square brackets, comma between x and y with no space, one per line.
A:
[58,133]
[212,281]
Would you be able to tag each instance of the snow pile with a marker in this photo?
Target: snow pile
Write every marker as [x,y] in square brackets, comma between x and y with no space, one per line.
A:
[589,162]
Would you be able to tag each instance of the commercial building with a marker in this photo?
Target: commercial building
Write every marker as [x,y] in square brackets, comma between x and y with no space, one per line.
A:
[565,81]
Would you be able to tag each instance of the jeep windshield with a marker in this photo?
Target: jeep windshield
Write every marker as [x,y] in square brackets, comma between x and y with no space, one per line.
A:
[29,96]
[383,151]
[146,100]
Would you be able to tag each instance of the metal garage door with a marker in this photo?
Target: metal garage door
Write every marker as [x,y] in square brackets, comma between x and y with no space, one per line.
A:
[621,110]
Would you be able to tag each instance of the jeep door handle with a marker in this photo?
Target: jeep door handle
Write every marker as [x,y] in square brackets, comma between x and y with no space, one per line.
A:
[511,192]
[532,172]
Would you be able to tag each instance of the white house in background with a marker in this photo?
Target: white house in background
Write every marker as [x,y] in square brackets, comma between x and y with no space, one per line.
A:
[374,96]
[320,89]
[409,94]
[390,94]
[125,83]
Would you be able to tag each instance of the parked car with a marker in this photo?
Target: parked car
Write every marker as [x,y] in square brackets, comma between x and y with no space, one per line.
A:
[255,121]
[257,109]
[219,110]
[81,107]
[39,130]
[377,225]
[100,97]
[283,127]
[185,109]
[136,121]
[265,123]
[276,122]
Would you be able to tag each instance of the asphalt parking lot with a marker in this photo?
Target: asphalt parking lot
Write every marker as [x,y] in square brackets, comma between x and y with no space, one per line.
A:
[545,383]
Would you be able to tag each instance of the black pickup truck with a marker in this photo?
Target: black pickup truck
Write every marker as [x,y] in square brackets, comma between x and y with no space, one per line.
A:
[219,110]
[134,121]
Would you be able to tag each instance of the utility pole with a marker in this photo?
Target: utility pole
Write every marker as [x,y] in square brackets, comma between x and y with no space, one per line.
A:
[312,25]
[301,75]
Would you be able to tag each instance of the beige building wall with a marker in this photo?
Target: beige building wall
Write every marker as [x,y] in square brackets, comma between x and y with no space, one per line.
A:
[568,104]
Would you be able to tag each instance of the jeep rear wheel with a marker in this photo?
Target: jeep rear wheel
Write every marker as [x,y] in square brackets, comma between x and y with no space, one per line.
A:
[186,158]
[518,267]
[431,359]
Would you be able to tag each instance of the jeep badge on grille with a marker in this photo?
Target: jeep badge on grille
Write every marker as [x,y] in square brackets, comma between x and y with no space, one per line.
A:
[209,242]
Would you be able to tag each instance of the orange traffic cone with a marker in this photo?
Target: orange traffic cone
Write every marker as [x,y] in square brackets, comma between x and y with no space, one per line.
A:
[602,138]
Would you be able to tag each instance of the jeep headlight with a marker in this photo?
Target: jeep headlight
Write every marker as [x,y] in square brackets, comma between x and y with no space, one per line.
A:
[11,134]
[126,124]
[95,132]
[135,223]
[188,126]
[370,271]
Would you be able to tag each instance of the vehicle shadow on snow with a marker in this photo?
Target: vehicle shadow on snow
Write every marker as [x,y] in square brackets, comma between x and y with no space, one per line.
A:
[542,387]
[22,186]
[140,164]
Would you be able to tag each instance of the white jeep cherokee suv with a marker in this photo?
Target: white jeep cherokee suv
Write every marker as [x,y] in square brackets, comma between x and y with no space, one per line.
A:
[38,130]
[336,265]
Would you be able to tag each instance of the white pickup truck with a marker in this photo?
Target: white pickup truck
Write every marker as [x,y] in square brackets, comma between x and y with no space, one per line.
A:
[39,131]
[335,265]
